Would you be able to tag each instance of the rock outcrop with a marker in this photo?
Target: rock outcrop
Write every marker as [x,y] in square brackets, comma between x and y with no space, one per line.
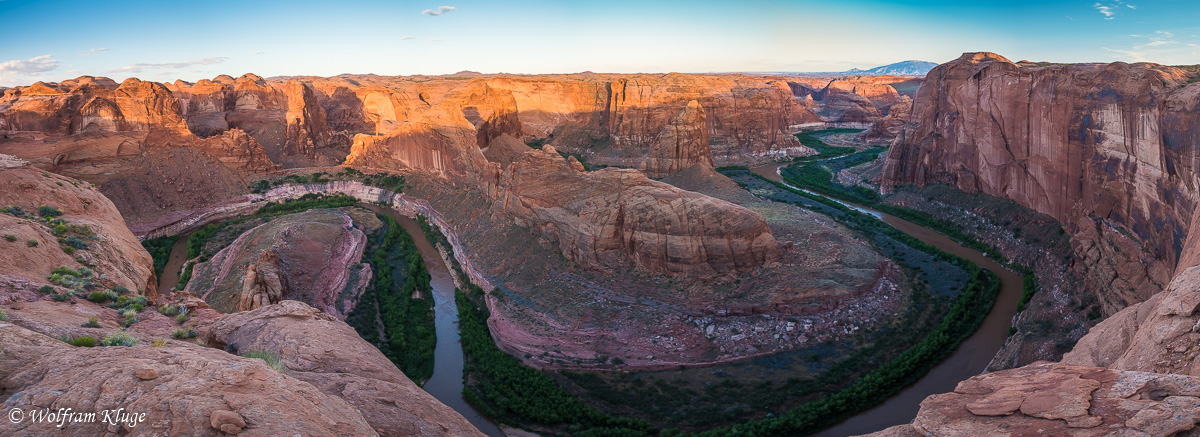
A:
[319,349]
[35,250]
[1060,399]
[262,285]
[313,256]
[681,144]
[611,218]
[179,389]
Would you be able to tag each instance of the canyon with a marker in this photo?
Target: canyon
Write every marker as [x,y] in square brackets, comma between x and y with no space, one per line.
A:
[591,210]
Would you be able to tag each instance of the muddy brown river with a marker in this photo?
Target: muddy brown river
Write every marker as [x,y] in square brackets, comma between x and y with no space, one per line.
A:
[971,357]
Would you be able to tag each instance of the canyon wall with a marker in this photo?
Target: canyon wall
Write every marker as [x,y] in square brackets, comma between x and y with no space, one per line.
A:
[1109,150]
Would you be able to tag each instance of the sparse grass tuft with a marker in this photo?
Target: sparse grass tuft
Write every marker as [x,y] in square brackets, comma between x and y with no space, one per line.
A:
[119,339]
[272,360]
[84,341]
[93,322]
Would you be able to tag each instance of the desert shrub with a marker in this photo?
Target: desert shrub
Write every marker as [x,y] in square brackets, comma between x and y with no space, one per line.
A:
[168,310]
[10,238]
[159,342]
[93,322]
[181,333]
[62,297]
[84,341]
[119,339]
[49,211]
[32,243]
[46,289]
[160,251]
[74,242]
[3,316]
[101,296]
[182,318]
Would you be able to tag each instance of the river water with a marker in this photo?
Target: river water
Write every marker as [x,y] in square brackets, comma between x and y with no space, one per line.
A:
[971,357]
[446,384]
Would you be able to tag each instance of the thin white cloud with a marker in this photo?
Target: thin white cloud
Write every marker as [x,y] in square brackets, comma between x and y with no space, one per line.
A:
[138,67]
[405,38]
[31,66]
[90,52]
[440,10]
[1105,10]
[259,53]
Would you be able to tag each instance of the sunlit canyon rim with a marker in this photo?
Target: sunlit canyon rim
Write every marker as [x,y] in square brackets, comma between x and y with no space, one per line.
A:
[977,247]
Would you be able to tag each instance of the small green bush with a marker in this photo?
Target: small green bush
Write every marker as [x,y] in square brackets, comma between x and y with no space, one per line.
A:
[31,243]
[120,289]
[93,322]
[62,297]
[49,211]
[3,316]
[168,310]
[84,341]
[10,237]
[46,289]
[98,297]
[182,318]
[119,339]
[183,333]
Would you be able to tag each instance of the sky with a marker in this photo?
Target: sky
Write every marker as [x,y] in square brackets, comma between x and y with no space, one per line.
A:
[164,41]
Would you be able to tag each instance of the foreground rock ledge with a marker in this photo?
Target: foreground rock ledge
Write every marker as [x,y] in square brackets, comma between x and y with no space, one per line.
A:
[1055,399]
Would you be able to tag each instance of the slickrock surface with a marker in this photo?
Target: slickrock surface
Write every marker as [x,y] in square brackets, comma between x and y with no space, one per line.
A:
[325,352]
[180,389]
[1061,400]
[115,252]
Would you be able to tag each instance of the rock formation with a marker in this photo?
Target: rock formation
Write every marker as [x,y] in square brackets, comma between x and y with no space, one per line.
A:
[342,365]
[1105,149]
[1060,399]
[611,218]
[262,284]
[681,144]
[180,389]
[114,252]
[313,256]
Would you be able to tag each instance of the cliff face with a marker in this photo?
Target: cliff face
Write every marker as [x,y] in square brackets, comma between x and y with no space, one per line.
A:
[681,144]
[1108,150]
[613,218]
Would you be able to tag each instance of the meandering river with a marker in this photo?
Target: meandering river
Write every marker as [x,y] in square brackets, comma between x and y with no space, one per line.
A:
[971,357]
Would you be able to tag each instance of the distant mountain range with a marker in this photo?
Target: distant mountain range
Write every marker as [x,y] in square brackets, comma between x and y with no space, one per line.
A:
[905,68]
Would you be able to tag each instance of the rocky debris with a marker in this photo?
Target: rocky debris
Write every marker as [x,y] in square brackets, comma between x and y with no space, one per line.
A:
[1076,142]
[610,218]
[114,252]
[681,144]
[332,357]
[1060,399]
[197,391]
[262,284]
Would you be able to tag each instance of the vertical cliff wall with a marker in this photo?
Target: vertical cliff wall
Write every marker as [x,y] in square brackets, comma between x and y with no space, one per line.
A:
[1110,150]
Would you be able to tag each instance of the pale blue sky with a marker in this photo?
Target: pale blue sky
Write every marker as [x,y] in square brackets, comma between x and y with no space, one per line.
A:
[55,40]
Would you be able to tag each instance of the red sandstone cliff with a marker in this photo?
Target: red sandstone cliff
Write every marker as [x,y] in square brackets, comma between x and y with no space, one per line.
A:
[1108,150]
